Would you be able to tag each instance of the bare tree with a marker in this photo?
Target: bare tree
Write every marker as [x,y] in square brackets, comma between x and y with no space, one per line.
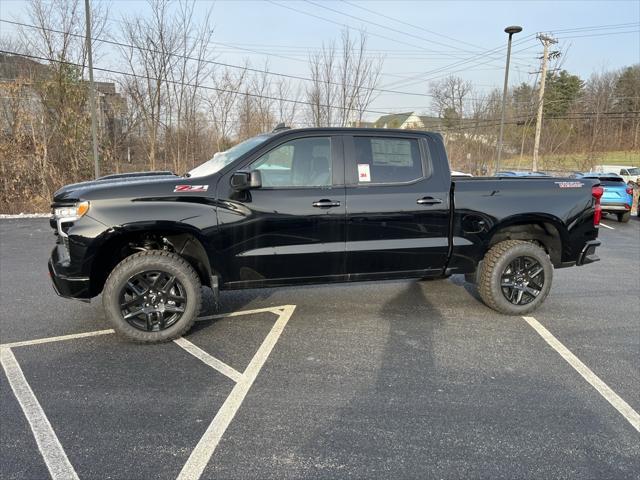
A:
[287,103]
[343,84]
[223,104]
[169,57]
[59,30]
[184,81]
[151,54]
[256,106]
[448,98]
[599,98]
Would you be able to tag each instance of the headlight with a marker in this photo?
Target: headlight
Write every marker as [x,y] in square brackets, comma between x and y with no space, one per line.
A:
[72,212]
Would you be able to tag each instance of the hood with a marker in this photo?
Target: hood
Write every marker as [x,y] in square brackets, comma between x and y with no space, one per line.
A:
[83,190]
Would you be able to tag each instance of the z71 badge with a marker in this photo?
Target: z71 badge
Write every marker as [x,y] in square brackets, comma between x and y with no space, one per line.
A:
[191,188]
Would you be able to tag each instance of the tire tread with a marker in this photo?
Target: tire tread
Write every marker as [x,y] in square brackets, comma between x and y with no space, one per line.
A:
[138,336]
[486,273]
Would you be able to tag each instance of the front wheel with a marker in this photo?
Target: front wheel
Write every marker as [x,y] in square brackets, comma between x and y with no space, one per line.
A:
[152,296]
[515,277]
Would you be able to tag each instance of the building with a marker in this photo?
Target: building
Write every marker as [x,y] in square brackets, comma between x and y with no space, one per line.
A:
[15,69]
[403,121]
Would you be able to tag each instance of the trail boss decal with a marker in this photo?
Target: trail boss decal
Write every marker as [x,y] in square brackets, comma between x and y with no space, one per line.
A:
[569,184]
[191,188]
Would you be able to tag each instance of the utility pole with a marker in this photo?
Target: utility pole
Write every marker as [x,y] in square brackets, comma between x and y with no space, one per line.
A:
[511,31]
[546,41]
[92,89]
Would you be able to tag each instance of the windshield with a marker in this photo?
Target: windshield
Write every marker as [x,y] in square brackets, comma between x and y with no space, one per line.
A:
[634,171]
[222,159]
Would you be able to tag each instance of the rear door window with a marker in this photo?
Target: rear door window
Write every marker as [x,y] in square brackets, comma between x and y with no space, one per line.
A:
[387,160]
[612,181]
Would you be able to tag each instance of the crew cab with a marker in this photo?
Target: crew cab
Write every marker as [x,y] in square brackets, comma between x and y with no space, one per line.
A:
[307,206]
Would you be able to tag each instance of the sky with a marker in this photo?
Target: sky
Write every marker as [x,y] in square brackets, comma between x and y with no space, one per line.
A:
[420,40]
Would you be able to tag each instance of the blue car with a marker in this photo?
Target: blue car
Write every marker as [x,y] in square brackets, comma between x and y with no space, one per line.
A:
[617,197]
[519,173]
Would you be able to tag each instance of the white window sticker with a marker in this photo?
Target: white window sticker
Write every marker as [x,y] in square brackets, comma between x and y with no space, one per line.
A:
[364,175]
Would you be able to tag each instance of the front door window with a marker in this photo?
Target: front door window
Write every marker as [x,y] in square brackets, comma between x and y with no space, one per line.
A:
[304,162]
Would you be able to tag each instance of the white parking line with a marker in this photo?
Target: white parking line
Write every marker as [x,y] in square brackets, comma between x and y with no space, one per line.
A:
[607,226]
[612,397]
[50,448]
[209,360]
[73,336]
[243,312]
[201,455]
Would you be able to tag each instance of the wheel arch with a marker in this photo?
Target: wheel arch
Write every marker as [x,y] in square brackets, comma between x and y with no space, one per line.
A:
[548,231]
[120,242]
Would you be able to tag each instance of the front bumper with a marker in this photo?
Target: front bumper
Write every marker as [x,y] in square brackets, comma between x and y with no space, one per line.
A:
[71,260]
[588,254]
[68,287]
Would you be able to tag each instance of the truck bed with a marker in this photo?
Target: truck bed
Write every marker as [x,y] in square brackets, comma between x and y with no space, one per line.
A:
[559,207]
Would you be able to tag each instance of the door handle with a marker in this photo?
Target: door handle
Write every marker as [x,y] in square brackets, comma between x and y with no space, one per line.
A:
[428,201]
[324,203]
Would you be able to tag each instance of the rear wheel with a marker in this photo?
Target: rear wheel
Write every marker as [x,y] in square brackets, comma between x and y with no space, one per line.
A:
[624,217]
[515,277]
[152,296]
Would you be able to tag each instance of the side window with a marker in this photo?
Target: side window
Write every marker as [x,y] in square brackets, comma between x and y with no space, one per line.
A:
[624,172]
[387,160]
[304,162]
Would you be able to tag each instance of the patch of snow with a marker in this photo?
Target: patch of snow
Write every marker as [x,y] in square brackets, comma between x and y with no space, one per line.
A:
[24,215]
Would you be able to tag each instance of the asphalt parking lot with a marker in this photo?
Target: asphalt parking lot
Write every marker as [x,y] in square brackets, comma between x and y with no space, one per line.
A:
[398,379]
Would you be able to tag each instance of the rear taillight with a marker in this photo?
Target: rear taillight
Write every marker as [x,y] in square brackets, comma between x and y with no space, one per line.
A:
[629,190]
[597,192]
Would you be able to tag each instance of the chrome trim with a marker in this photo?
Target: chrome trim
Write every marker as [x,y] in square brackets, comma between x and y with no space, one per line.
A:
[60,221]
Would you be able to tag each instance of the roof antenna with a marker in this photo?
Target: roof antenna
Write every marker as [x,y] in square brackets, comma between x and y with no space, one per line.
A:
[281,126]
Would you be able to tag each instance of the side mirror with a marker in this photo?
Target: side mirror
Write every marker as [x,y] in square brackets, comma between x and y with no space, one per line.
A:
[246,180]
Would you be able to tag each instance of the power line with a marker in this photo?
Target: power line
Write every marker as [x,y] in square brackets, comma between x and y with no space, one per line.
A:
[310,49]
[288,7]
[420,79]
[599,34]
[386,26]
[596,27]
[185,84]
[407,23]
[212,62]
[479,57]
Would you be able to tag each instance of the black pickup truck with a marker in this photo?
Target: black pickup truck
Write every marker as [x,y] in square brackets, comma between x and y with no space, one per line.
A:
[313,206]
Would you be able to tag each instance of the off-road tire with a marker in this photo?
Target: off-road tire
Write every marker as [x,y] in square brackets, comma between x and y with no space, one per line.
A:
[494,264]
[624,217]
[164,261]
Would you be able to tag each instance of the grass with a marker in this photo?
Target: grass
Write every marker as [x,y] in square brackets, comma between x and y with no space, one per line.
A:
[574,161]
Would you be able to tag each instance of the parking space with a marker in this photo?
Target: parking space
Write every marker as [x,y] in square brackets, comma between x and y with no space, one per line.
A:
[401,378]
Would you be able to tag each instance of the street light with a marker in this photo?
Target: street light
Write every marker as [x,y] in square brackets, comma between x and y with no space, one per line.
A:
[510,30]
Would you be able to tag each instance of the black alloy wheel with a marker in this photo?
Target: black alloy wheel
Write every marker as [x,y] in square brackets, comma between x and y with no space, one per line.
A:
[522,280]
[515,277]
[152,301]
